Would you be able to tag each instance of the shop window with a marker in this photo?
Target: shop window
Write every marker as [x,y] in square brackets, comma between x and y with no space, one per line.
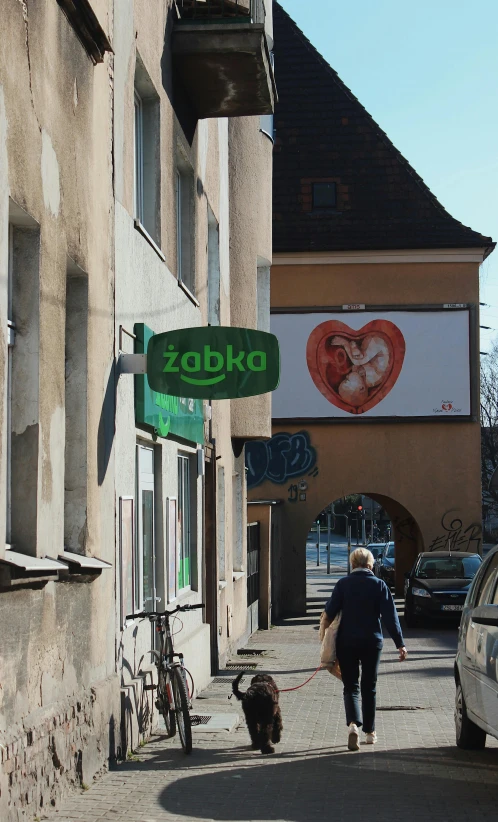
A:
[221,524]
[145,544]
[185,523]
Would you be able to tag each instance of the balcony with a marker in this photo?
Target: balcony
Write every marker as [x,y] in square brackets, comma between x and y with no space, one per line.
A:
[221,57]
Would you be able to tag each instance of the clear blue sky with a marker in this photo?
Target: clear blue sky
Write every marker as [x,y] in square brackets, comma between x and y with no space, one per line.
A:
[427,71]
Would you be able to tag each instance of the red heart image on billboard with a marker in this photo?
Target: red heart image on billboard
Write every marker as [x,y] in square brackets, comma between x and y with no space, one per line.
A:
[355,370]
[447,406]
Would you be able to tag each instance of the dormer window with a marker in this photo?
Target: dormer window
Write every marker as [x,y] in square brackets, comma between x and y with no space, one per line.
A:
[324,195]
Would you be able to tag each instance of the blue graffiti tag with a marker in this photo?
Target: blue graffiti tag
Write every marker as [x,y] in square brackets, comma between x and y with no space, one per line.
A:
[279,459]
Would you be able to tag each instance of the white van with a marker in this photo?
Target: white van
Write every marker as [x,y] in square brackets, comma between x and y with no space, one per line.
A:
[476,664]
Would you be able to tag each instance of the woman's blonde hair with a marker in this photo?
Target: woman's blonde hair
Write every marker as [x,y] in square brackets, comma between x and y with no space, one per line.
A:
[362,558]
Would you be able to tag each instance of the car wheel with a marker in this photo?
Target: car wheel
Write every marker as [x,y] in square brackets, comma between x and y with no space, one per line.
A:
[468,734]
[410,618]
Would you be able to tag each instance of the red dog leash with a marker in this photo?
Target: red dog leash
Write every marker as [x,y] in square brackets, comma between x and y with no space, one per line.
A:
[286,690]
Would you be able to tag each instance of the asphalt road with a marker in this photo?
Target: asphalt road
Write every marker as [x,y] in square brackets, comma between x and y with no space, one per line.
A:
[338,549]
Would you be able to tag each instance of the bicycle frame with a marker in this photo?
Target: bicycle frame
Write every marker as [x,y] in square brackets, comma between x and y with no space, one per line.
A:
[173,697]
[166,655]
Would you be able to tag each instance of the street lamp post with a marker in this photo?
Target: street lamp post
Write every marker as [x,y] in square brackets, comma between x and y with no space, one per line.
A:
[348,531]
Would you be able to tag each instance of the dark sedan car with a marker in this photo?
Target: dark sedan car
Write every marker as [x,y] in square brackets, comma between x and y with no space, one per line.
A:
[376,548]
[384,564]
[437,585]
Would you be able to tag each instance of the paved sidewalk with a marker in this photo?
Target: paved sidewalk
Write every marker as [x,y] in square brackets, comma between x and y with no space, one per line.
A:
[415,771]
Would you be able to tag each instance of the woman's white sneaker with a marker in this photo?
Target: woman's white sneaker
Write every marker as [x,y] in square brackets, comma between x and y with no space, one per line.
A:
[353,737]
[371,739]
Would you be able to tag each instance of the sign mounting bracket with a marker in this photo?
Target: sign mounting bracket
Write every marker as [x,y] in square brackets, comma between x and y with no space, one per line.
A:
[132,364]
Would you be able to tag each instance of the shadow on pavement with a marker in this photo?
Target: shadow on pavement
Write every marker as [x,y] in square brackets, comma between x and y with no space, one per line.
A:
[402,784]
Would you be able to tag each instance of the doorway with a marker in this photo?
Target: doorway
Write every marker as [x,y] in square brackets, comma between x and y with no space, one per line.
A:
[253,575]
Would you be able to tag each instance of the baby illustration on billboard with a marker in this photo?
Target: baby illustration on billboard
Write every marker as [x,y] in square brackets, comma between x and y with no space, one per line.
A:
[355,370]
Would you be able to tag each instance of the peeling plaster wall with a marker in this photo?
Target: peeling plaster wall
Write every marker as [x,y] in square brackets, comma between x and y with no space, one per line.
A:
[59,692]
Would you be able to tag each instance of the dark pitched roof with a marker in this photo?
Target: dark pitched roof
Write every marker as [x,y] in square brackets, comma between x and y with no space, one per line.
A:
[324,134]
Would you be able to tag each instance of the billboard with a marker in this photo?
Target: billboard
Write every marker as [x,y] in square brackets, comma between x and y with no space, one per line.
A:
[374,364]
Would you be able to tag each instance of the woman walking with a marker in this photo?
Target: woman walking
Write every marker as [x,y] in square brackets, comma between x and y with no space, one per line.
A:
[362,600]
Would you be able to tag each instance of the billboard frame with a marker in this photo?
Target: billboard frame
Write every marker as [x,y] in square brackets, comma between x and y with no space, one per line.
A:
[358,308]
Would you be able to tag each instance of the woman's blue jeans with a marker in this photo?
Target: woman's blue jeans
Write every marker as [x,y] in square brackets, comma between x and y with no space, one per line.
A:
[350,658]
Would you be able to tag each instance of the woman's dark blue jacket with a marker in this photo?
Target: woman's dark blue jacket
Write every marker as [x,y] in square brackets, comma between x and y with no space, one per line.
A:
[362,599]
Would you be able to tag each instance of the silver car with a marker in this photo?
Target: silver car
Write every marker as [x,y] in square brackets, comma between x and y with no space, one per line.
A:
[476,664]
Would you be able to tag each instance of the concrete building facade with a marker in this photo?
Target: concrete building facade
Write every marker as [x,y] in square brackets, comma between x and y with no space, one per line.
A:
[132,202]
[201,257]
[59,695]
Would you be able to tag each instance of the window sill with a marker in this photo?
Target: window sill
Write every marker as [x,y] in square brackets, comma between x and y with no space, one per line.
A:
[238,575]
[188,292]
[17,569]
[143,231]
[222,584]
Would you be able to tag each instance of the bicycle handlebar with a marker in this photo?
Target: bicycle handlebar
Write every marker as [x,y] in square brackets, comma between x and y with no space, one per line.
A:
[149,614]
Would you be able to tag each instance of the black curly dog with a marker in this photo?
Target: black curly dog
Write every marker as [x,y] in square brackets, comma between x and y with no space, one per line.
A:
[261,710]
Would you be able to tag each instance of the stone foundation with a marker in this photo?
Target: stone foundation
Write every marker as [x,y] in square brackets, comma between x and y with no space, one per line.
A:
[57,749]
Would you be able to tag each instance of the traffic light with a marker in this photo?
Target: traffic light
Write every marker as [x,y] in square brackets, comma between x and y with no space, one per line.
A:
[360,507]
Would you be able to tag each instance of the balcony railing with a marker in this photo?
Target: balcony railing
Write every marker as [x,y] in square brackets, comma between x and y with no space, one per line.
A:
[222,11]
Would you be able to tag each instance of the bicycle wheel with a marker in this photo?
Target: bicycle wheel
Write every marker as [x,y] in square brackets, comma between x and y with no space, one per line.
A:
[164,706]
[181,710]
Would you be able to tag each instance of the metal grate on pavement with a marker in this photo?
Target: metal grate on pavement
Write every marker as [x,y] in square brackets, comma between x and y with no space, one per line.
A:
[199,720]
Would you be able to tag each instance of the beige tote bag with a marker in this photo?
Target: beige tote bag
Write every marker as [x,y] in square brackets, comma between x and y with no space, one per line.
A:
[328,652]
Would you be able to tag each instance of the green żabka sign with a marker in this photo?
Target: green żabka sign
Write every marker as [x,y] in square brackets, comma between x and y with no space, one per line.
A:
[167,414]
[213,362]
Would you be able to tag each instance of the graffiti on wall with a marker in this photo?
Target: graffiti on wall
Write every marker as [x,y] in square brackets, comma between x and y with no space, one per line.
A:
[283,457]
[405,528]
[455,536]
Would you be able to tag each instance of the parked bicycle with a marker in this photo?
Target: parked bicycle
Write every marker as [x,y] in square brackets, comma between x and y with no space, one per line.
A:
[173,700]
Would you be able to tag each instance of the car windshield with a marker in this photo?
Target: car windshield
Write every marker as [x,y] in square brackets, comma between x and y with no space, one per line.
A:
[448,567]
[389,552]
